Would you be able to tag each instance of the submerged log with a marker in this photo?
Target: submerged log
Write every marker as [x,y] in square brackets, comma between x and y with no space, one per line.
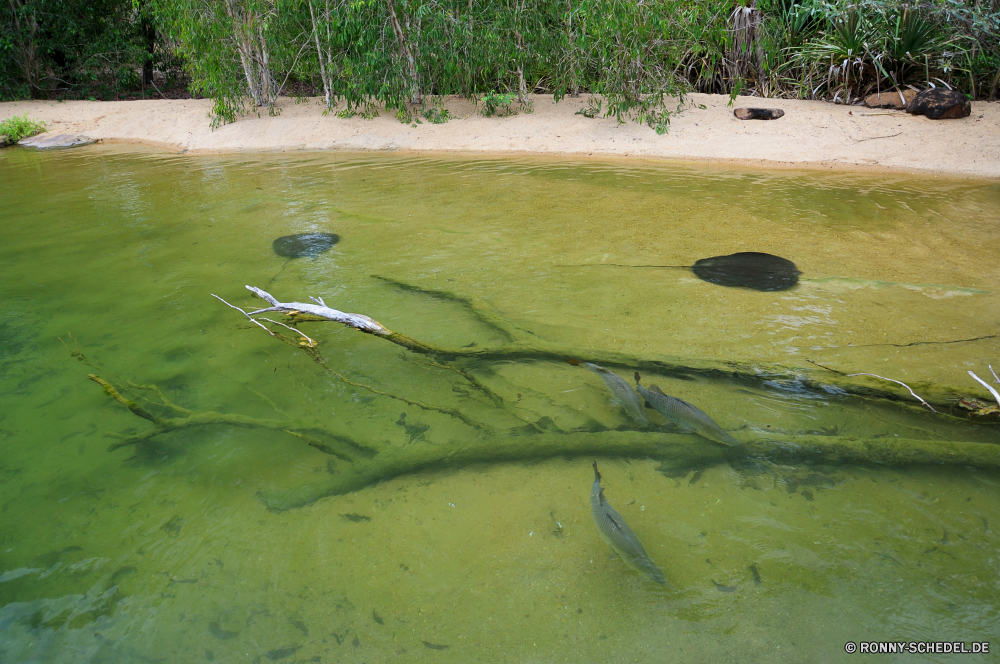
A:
[320,437]
[828,380]
[675,450]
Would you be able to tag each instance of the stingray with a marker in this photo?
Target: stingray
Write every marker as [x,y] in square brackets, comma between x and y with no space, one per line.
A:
[304,245]
[766,272]
[746,269]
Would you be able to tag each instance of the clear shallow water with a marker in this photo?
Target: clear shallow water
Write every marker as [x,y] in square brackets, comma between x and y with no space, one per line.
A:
[166,550]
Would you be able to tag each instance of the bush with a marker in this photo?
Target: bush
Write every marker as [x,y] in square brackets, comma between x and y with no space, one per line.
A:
[16,128]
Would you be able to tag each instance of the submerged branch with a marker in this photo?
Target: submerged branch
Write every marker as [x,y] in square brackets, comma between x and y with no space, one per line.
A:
[996,395]
[452,412]
[345,447]
[678,449]
[898,382]
[542,351]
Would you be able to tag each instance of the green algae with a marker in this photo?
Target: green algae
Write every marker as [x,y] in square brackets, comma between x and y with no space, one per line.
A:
[463,552]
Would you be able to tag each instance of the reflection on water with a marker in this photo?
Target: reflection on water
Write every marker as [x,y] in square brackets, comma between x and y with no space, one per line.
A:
[166,549]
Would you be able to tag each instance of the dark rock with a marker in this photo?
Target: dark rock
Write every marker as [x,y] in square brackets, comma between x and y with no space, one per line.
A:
[3,141]
[304,244]
[940,104]
[890,99]
[748,269]
[49,141]
[758,113]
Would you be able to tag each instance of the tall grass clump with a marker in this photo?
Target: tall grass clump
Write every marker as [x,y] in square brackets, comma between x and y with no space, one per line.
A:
[15,128]
[841,51]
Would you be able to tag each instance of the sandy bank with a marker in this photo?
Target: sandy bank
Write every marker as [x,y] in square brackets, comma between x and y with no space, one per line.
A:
[811,135]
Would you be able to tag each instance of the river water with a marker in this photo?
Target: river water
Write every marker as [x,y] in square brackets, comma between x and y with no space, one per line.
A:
[173,548]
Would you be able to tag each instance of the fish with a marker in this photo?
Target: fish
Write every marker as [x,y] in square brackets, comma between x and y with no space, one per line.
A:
[356,518]
[682,413]
[616,533]
[435,646]
[622,393]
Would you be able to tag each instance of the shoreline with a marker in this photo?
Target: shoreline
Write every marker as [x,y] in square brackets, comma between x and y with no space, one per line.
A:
[813,135]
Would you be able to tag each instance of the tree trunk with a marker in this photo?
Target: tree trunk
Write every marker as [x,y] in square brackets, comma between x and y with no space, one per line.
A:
[251,46]
[26,26]
[404,47]
[324,63]
[148,32]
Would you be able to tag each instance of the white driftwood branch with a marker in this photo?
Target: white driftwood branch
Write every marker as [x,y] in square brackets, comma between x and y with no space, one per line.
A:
[357,321]
[309,342]
[261,325]
[996,395]
[898,382]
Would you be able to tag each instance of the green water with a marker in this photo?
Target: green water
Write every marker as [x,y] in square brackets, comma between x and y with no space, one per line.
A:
[164,551]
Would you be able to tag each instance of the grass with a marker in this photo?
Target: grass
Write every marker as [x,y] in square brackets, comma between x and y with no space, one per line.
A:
[18,127]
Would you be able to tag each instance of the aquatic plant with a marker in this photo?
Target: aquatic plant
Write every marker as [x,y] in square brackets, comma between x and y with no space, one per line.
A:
[17,127]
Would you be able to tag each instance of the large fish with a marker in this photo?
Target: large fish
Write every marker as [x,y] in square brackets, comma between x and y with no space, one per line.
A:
[616,533]
[684,414]
[623,394]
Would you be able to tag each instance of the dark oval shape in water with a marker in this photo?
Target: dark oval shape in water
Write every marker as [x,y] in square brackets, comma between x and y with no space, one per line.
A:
[304,244]
[748,269]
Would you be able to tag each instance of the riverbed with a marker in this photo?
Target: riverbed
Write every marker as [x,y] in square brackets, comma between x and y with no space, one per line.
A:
[168,548]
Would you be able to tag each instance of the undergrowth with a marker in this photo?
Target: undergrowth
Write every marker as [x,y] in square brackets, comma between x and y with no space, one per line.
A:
[18,127]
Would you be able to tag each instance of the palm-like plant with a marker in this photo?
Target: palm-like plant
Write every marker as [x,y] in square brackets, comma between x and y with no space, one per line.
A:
[912,41]
[844,51]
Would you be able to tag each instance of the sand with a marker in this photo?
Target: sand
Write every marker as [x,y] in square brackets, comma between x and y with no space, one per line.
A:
[812,134]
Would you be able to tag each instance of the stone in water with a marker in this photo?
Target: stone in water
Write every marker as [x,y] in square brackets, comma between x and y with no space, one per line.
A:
[748,269]
[49,141]
[304,244]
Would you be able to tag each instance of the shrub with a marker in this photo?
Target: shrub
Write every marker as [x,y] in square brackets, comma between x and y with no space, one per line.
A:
[16,128]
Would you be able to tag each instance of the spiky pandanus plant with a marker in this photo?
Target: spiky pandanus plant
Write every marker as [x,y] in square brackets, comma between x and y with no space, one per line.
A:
[843,51]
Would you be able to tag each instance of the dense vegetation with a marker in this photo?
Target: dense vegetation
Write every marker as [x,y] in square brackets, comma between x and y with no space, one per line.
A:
[393,54]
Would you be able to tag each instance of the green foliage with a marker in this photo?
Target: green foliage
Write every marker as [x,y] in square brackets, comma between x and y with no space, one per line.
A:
[496,103]
[437,113]
[372,55]
[67,48]
[18,127]
[593,108]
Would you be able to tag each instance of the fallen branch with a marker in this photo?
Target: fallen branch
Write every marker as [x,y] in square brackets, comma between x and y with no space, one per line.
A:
[996,395]
[541,351]
[915,395]
[357,321]
[872,138]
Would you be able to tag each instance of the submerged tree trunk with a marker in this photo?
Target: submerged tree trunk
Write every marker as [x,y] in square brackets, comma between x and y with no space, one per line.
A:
[673,450]
[371,463]
[513,437]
